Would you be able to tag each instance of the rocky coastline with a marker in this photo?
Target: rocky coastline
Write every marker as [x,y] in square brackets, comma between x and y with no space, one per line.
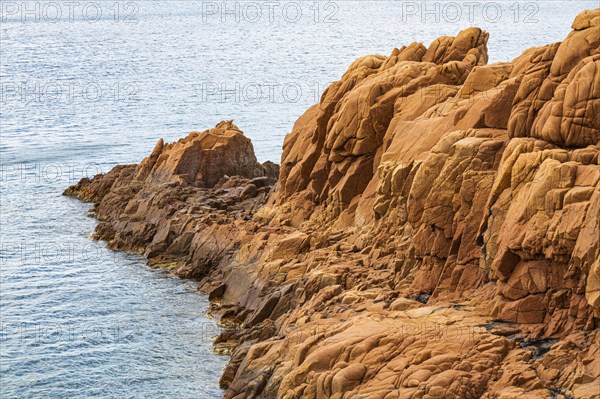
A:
[433,230]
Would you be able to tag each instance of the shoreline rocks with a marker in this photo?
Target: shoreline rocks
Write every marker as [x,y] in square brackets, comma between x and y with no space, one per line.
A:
[434,230]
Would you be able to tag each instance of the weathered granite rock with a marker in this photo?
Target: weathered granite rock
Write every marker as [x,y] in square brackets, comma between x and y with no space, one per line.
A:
[207,180]
[434,231]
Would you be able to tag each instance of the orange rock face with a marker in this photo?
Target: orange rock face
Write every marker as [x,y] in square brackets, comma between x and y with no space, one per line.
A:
[158,206]
[434,231]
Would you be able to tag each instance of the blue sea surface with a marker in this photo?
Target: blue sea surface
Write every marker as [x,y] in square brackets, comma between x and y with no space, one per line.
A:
[90,84]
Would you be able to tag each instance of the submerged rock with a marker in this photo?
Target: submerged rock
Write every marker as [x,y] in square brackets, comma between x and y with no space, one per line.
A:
[434,230]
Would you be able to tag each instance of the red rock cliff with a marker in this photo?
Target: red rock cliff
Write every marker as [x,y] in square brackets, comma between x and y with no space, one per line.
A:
[434,231]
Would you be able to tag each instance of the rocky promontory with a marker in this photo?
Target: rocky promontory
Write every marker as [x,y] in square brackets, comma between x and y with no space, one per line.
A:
[433,230]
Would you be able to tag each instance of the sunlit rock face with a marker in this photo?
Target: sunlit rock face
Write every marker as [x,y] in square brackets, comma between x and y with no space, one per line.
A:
[433,232]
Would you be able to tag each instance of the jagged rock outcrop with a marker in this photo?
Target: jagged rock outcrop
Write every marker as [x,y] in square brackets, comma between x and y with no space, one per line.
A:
[163,205]
[434,231]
